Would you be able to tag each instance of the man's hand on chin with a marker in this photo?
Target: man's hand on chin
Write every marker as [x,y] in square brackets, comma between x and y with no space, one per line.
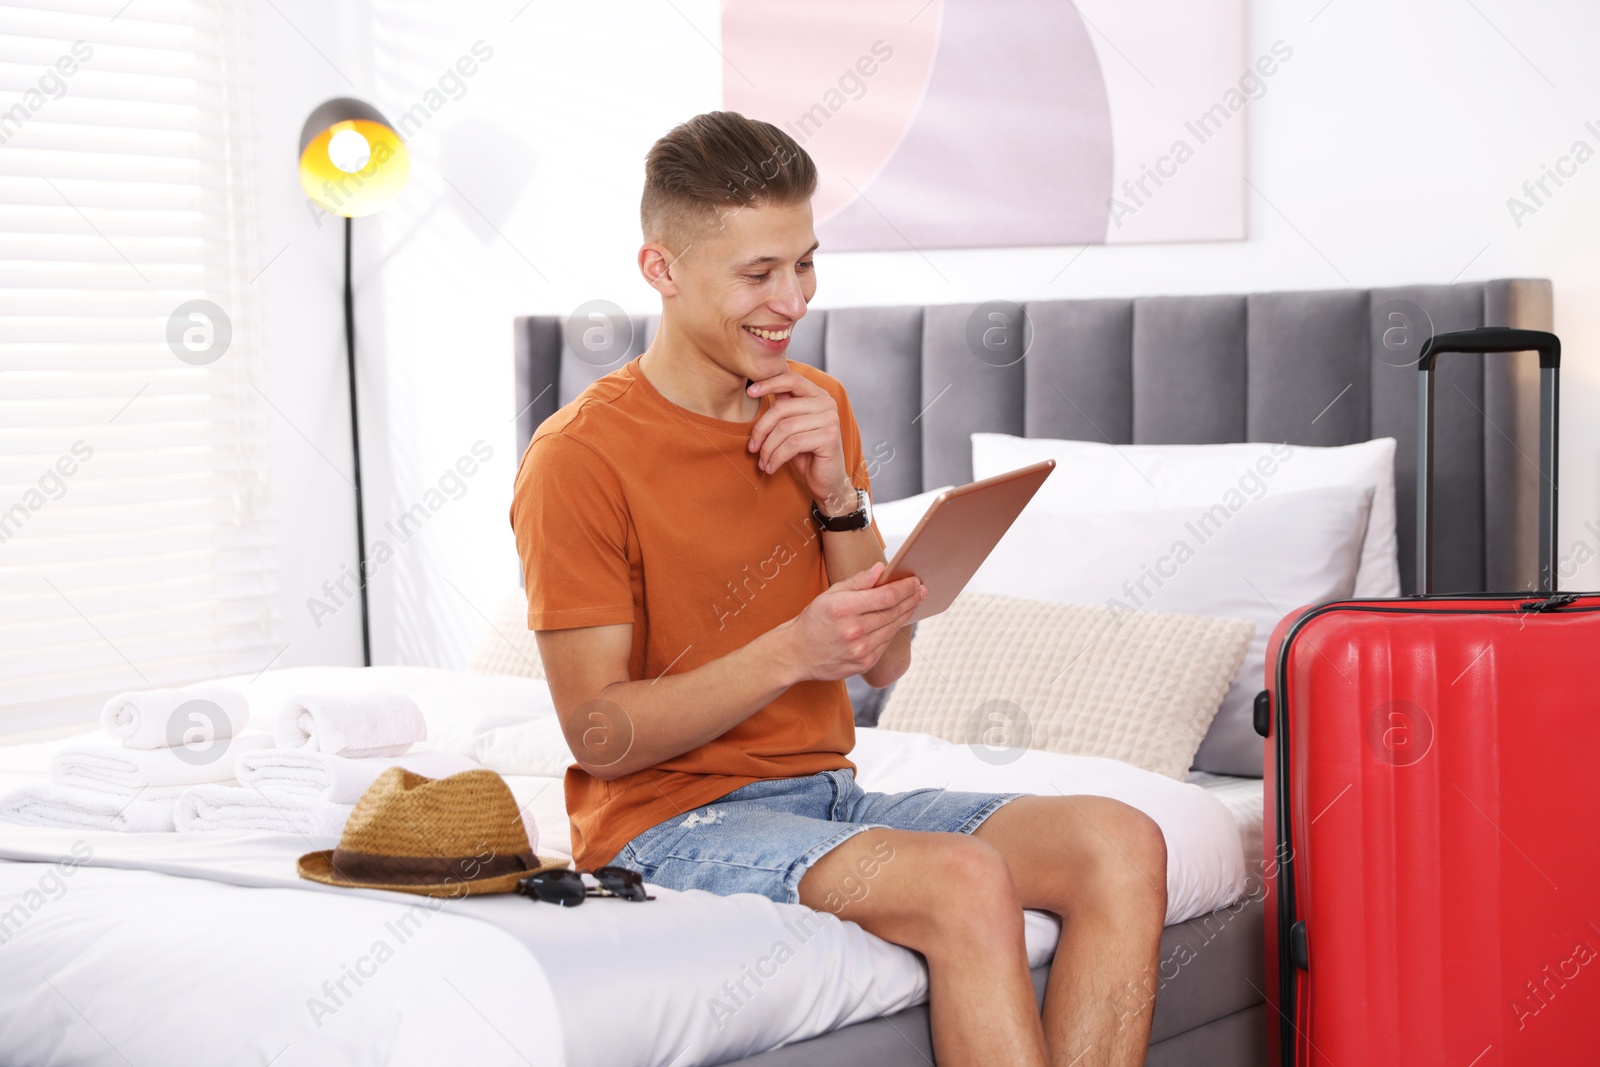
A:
[802,427]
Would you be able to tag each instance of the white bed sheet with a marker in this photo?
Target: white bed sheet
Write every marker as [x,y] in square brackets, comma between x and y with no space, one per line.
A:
[230,974]
[170,961]
[133,966]
[1245,799]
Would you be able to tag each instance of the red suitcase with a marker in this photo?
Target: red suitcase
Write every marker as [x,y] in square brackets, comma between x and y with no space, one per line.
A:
[1433,838]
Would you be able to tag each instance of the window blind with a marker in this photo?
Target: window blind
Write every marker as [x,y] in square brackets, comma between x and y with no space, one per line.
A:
[135,542]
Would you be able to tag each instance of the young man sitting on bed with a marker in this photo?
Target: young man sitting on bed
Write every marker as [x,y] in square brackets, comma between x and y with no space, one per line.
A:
[697,622]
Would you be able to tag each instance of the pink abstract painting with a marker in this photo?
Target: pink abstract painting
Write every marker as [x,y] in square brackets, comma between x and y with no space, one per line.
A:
[965,123]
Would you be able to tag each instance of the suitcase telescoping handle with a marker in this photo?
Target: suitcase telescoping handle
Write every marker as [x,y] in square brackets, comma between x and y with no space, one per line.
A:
[1493,339]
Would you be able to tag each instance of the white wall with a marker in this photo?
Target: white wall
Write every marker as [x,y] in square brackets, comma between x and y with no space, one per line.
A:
[299,288]
[1382,153]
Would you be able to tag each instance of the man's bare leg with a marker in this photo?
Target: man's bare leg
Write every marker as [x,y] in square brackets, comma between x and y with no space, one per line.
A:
[1102,866]
[950,897]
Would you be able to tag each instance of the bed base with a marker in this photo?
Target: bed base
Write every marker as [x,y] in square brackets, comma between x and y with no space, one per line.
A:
[1209,1006]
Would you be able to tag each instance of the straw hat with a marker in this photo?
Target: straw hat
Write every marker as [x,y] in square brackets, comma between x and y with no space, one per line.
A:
[441,837]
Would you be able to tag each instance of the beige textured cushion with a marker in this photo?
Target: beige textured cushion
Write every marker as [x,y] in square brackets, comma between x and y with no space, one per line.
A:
[509,647]
[1006,674]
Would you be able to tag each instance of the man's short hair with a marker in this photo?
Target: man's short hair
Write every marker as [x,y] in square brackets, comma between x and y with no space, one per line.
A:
[713,163]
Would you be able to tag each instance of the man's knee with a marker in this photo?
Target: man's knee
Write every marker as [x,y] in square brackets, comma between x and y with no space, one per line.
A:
[1129,851]
[971,875]
[967,897]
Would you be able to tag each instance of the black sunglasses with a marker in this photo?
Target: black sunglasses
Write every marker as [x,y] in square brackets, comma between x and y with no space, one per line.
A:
[568,889]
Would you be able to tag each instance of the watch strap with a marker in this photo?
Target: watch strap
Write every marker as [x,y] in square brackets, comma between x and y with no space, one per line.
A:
[855,520]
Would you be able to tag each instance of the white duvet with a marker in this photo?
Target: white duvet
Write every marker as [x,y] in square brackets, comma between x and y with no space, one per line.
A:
[205,948]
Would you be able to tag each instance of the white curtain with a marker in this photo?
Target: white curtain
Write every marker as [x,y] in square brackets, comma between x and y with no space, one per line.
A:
[135,540]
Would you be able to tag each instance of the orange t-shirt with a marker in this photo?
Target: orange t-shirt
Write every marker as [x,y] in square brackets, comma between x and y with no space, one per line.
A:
[631,509]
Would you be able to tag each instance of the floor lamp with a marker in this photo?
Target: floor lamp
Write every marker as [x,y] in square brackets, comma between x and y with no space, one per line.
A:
[352,162]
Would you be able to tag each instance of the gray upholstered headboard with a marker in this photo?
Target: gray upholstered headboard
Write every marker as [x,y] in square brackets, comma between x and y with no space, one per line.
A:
[1309,368]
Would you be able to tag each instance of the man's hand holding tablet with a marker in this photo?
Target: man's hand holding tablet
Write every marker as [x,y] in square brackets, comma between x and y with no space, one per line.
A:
[845,629]
[959,531]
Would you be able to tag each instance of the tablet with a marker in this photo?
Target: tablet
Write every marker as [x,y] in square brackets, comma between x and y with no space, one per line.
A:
[959,531]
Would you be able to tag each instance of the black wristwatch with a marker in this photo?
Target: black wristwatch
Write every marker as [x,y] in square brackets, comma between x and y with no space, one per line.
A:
[855,520]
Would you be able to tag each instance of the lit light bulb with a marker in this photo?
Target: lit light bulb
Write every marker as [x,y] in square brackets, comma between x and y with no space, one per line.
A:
[349,151]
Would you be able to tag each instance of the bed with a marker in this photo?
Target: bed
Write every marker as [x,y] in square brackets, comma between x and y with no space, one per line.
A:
[1311,368]
[164,948]
[205,948]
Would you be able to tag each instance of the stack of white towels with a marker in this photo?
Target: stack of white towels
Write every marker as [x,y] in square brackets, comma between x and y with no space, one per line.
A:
[330,748]
[173,764]
[160,742]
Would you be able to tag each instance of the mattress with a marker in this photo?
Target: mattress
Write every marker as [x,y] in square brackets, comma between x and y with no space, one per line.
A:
[204,948]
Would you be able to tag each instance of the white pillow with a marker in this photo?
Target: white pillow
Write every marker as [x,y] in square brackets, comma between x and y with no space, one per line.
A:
[896,519]
[1093,476]
[1258,562]
[508,646]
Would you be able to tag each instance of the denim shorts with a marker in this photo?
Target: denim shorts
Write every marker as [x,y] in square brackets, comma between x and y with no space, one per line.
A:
[762,837]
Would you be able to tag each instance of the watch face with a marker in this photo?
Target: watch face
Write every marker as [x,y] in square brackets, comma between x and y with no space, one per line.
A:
[862,518]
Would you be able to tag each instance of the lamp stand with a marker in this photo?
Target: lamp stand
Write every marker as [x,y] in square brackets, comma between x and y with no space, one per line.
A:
[355,447]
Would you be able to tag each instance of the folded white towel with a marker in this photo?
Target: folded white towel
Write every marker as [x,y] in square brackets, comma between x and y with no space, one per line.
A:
[352,724]
[230,807]
[157,772]
[338,779]
[51,804]
[161,718]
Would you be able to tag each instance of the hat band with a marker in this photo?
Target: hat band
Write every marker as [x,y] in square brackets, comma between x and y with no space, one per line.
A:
[353,866]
